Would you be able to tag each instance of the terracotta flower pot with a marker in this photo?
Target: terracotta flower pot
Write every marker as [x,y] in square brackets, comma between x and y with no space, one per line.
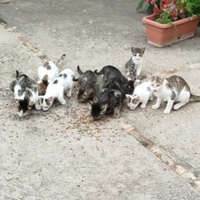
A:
[164,34]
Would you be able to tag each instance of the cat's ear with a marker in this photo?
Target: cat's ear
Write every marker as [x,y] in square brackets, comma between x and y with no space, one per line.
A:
[128,97]
[149,77]
[136,99]
[50,99]
[132,49]
[142,50]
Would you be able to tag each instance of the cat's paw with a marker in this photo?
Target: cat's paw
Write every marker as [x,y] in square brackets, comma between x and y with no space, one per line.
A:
[155,107]
[143,106]
[63,102]
[166,111]
[117,115]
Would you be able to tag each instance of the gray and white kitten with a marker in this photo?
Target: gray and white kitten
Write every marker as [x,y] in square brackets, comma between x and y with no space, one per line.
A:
[135,64]
[87,86]
[25,92]
[109,72]
[110,99]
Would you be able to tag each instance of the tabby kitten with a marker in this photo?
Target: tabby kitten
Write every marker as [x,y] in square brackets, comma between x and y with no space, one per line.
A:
[174,90]
[48,73]
[135,64]
[109,72]
[87,86]
[25,92]
[110,99]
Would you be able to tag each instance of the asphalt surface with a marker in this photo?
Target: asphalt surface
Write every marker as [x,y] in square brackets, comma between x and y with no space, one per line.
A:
[63,153]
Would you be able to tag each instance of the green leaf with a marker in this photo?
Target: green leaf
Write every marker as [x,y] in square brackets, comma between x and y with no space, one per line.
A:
[140,5]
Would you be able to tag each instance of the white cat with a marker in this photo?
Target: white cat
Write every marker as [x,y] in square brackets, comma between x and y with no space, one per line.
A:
[142,94]
[56,89]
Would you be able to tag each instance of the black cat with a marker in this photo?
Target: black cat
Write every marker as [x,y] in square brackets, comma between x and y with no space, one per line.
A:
[110,99]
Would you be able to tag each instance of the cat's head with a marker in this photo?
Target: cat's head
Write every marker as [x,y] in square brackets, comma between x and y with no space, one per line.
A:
[157,82]
[24,106]
[132,101]
[129,86]
[44,103]
[85,95]
[98,110]
[137,52]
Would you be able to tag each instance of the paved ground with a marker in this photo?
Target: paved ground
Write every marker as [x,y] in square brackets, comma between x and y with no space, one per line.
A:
[63,154]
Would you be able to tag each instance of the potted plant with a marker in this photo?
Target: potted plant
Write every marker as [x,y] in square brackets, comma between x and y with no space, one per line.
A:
[171,21]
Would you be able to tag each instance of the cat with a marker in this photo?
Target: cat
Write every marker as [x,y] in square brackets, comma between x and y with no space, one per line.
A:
[48,72]
[110,99]
[143,92]
[56,89]
[135,64]
[109,72]
[25,92]
[87,87]
[175,90]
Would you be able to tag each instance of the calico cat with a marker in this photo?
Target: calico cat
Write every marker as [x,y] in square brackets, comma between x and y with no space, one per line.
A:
[174,90]
[143,92]
[25,92]
[48,73]
[56,89]
[110,99]
[87,86]
[109,72]
[134,65]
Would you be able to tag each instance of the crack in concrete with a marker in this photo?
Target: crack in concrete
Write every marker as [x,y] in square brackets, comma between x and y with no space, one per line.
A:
[159,153]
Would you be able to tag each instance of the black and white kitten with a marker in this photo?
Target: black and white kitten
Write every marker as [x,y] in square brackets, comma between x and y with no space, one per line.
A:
[25,92]
[87,86]
[135,64]
[110,99]
[109,72]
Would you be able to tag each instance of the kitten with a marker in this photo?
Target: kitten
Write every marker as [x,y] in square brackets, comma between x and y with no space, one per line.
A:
[134,65]
[174,90]
[141,95]
[56,89]
[109,72]
[87,86]
[25,92]
[110,99]
[48,73]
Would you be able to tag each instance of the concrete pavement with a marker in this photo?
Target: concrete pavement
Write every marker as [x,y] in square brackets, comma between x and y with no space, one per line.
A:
[63,154]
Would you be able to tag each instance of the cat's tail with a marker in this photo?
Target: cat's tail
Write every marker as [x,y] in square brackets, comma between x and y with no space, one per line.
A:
[98,73]
[59,61]
[79,70]
[194,97]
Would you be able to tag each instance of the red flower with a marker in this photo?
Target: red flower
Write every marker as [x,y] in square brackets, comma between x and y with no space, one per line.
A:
[165,6]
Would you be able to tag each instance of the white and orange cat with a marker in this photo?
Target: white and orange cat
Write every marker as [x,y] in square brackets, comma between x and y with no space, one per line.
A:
[56,89]
[175,90]
[47,73]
